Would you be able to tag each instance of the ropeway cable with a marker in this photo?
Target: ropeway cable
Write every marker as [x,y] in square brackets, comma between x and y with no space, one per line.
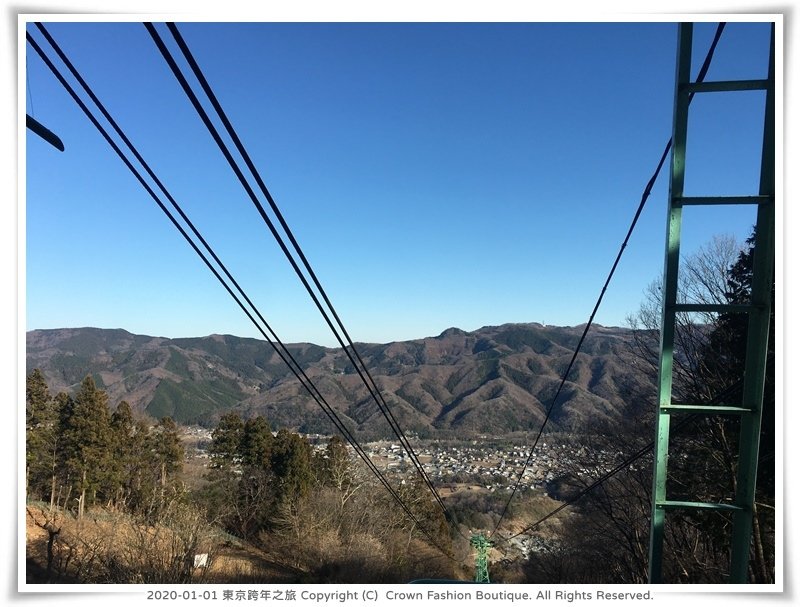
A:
[371,385]
[719,398]
[357,362]
[645,195]
[286,355]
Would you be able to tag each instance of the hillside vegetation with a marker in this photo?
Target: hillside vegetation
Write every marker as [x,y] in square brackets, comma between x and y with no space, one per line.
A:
[494,380]
[109,501]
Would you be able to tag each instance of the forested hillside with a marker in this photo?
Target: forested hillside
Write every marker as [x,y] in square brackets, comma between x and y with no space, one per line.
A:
[493,380]
[109,501]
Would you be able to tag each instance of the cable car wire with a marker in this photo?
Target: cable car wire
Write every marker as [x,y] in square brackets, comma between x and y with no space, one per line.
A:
[283,351]
[357,362]
[645,195]
[366,376]
[718,399]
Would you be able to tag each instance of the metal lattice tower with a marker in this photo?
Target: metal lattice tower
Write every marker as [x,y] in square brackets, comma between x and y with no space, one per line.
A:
[749,410]
[482,545]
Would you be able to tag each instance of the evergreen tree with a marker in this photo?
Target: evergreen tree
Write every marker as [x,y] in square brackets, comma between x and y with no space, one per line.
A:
[41,435]
[141,484]
[241,503]
[291,463]
[226,441]
[256,445]
[62,475]
[168,449]
[87,442]
[126,444]
[136,469]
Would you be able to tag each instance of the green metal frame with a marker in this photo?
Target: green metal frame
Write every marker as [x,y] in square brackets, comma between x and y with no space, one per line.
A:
[481,545]
[758,310]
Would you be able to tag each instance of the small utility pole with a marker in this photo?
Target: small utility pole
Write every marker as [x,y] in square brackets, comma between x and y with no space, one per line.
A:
[482,545]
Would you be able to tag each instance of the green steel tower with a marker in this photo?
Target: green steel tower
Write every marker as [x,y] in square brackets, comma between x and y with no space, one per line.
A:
[482,545]
[748,412]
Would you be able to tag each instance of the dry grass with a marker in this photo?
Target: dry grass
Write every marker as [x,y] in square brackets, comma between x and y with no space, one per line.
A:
[107,547]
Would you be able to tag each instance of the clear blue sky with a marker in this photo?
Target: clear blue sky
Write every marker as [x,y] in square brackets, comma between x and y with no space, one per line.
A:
[436,175]
[519,193]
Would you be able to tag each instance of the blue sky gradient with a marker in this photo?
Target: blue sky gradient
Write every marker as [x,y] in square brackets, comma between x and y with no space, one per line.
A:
[436,175]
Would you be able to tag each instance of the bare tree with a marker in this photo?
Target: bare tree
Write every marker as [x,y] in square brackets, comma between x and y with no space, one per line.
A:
[703,279]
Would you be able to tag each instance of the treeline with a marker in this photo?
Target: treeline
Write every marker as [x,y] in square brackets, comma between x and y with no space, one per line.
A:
[316,510]
[304,510]
[80,454]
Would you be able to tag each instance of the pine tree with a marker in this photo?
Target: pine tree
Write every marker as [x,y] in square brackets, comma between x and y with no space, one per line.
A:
[241,502]
[128,443]
[62,475]
[87,438]
[41,436]
[168,448]
[291,463]
[226,441]
[256,444]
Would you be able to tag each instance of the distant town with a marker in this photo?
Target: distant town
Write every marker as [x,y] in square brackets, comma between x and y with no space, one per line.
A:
[484,464]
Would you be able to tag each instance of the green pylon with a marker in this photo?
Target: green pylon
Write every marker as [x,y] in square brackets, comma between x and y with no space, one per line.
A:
[482,545]
[748,407]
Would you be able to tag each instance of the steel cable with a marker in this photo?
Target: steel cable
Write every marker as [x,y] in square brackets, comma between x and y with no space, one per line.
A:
[357,362]
[645,195]
[282,351]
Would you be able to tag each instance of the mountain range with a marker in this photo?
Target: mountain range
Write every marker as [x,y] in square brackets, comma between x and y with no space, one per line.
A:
[495,380]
